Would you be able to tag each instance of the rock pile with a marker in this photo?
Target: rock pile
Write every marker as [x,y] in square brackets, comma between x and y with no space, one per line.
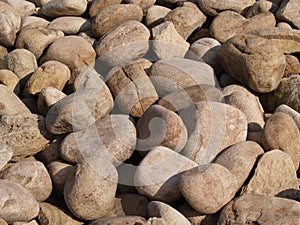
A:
[158,112]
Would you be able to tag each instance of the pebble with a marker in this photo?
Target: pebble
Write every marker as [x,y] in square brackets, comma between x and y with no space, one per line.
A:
[98,5]
[120,220]
[5,156]
[155,15]
[10,80]
[70,25]
[289,12]
[24,8]
[48,97]
[291,112]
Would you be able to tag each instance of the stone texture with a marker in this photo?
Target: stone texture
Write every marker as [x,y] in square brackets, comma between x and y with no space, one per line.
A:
[127,42]
[30,22]
[289,11]
[98,5]
[155,15]
[218,187]
[132,89]
[291,112]
[212,127]
[32,175]
[171,75]
[261,6]
[39,2]
[112,137]
[24,8]
[169,214]
[157,176]
[144,4]
[10,24]
[292,66]
[25,134]
[17,204]
[120,221]
[90,192]
[260,209]
[161,127]
[5,155]
[134,204]
[228,24]
[10,80]
[89,78]
[186,19]
[114,15]
[50,152]
[281,132]
[273,174]
[48,97]
[3,51]
[70,24]
[79,110]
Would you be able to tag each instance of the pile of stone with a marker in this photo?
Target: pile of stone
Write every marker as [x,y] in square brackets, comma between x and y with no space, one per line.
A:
[161,112]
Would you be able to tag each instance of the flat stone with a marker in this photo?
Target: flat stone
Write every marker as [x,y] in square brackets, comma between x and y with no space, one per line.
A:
[56,8]
[289,11]
[70,24]
[48,97]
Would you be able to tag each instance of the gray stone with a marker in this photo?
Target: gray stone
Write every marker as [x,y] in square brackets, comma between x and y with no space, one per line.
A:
[5,155]
[48,97]
[155,15]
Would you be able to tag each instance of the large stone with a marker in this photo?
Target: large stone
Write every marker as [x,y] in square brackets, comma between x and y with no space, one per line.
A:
[157,176]
[208,188]
[291,112]
[289,11]
[17,204]
[10,80]
[70,24]
[260,209]
[112,137]
[10,24]
[30,22]
[56,8]
[48,97]
[90,192]
[5,155]
[212,127]
[98,5]
[24,134]
[24,8]
[155,15]
[261,6]
[114,15]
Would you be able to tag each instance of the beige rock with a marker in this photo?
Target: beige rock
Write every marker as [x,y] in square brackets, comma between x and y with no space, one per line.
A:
[112,137]
[170,75]
[156,221]
[79,110]
[157,176]
[120,221]
[228,24]
[281,132]
[260,209]
[3,222]
[134,204]
[155,15]
[114,15]
[218,187]
[48,97]
[212,127]
[32,175]
[32,222]
[10,24]
[3,51]
[24,8]
[90,192]
[5,155]
[261,6]
[39,2]
[56,8]
[98,5]
[132,89]
[50,152]
[10,80]
[169,214]
[117,210]
[159,126]
[284,25]
[292,66]
[70,24]
[49,74]
[289,11]
[240,159]
[29,21]
[167,42]
[89,78]
[145,4]
[186,19]
[34,134]
[17,204]
[88,36]
[291,112]
[126,43]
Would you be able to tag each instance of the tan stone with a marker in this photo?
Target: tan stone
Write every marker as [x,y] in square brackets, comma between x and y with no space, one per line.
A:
[56,8]
[291,112]
[11,80]
[5,155]
[120,220]
[155,15]
[48,97]
[98,5]
[289,11]
[27,22]
[50,152]
[24,8]
[292,66]
[261,6]
[70,24]
[145,4]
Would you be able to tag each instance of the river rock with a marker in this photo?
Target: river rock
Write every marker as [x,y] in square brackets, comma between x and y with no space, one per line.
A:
[70,24]
[48,97]
[10,80]
[120,220]
[163,185]
[24,8]
[98,5]
[89,78]
[3,222]
[212,127]
[28,22]
[260,209]
[90,192]
[5,155]
[144,4]
[291,112]
[3,51]
[261,6]
[39,2]
[292,66]
[155,15]
[17,204]
[289,11]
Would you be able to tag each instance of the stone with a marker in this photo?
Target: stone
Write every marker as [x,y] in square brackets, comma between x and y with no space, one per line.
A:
[73,51]
[212,8]
[124,44]
[291,112]
[98,5]
[88,36]
[261,6]
[113,16]
[228,24]
[79,110]
[274,173]
[50,152]
[10,80]
[120,220]
[49,74]
[3,51]
[134,204]
[24,8]
[90,192]
[254,61]
[159,126]
[178,100]
[156,221]
[212,127]
[169,214]
[292,66]
[117,210]
[170,75]
[17,204]
[240,159]
[38,39]
[30,22]
[155,15]
[70,25]
[144,4]
[10,104]
[281,132]
[48,97]
[10,24]
[157,176]
[186,19]
[5,155]
[289,11]
[89,78]
[50,214]
[133,91]
[226,80]
[39,2]
[34,134]
[31,103]
[32,175]
[32,222]
[218,187]
[260,209]
[284,25]
[167,42]
[3,222]
[56,8]
[112,137]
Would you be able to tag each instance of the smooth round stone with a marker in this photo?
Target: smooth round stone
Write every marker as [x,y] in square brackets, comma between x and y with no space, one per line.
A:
[155,15]
[28,22]
[24,8]
[70,24]
[98,5]
[5,155]
[144,4]
[291,112]
[48,97]
[10,80]
[56,8]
